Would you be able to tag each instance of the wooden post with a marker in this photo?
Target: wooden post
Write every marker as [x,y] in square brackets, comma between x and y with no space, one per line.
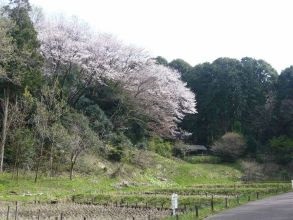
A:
[237,198]
[39,214]
[61,216]
[257,195]
[16,211]
[212,203]
[196,211]
[248,199]
[8,209]
[226,202]
[177,217]
[149,217]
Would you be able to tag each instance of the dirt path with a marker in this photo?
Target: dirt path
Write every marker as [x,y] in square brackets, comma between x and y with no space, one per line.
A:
[274,208]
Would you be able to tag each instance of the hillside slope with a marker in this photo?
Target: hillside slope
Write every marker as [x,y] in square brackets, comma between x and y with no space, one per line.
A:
[145,170]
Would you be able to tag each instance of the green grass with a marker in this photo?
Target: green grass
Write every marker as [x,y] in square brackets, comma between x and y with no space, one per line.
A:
[150,183]
[203,159]
[181,173]
[159,173]
[47,189]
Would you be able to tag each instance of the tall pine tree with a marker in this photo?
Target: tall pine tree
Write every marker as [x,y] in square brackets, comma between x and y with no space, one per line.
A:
[24,68]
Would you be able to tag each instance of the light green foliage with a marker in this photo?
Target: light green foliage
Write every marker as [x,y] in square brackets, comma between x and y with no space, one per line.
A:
[22,148]
[41,122]
[48,189]
[6,45]
[173,172]
[161,147]
[60,141]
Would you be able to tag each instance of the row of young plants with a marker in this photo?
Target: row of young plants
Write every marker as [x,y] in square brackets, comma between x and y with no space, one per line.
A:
[189,197]
[142,201]
[222,191]
[243,185]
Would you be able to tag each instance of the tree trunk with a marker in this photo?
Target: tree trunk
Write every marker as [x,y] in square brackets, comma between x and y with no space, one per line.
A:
[73,160]
[17,171]
[51,161]
[38,162]
[4,126]
[71,170]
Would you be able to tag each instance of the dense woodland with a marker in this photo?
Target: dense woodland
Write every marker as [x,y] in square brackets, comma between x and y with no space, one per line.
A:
[246,96]
[67,90]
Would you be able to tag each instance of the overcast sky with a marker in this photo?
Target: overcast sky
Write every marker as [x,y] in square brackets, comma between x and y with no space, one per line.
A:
[194,30]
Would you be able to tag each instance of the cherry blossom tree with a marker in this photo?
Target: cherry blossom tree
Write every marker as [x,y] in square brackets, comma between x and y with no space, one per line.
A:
[156,91]
[160,94]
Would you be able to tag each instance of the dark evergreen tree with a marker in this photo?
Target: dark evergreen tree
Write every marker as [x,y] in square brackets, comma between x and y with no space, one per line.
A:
[28,62]
[283,122]
[161,60]
[232,95]
[180,65]
[23,69]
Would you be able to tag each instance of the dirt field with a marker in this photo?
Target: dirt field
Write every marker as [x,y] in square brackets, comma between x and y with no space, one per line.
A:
[77,211]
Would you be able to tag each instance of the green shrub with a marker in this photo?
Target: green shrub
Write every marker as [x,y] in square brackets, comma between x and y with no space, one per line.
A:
[177,152]
[158,145]
[282,149]
[116,154]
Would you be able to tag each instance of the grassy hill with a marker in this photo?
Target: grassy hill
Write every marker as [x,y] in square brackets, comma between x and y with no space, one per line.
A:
[143,171]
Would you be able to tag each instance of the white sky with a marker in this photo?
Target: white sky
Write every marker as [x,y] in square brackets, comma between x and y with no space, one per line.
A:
[194,30]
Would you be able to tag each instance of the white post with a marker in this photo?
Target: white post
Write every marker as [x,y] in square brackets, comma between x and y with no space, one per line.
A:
[292,183]
[174,202]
